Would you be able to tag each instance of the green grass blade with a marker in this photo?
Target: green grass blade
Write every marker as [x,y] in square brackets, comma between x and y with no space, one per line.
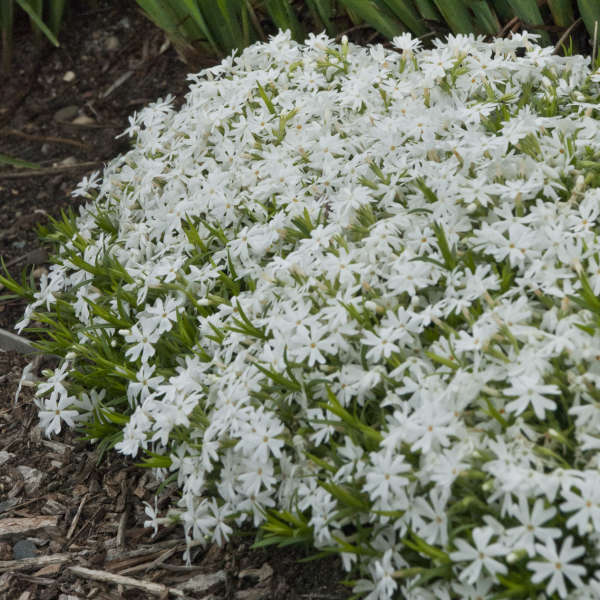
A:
[231,32]
[370,12]
[590,13]
[322,11]
[503,10]
[486,20]
[35,17]
[427,10]
[202,25]
[6,29]
[284,17]
[528,12]
[456,15]
[407,14]
[56,11]
[562,12]
[17,162]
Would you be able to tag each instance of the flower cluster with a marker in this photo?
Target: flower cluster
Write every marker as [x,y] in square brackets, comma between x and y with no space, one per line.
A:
[350,295]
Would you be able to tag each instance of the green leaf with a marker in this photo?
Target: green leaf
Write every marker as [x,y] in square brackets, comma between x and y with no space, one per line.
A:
[590,13]
[407,14]
[456,15]
[35,17]
[17,162]
[529,13]
[371,12]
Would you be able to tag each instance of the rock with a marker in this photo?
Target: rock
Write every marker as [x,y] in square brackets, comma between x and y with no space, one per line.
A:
[8,504]
[262,574]
[66,113]
[66,162]
[32,477]
[111,43]
[203,582]
[83,120]
[5,456]
[69,76]
[24,549]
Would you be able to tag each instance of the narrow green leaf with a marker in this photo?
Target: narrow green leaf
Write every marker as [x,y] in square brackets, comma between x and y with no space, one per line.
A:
[562,12]
[406,13]
[529,13]
[17,162]
[283,15]
[35,17]
[370,12]
[56,9]
[456,15]
[590,13]
[485,18]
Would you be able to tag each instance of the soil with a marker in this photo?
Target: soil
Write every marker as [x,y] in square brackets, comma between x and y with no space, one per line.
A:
[60,507]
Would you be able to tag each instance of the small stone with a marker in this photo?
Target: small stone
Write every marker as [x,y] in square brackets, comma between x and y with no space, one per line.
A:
[67,162]
[66,113]
[8,504]
[203,583]
[33,479]
[68,76]
[39,271]
[24,549]
[111,43]
[83,120]
[5,456]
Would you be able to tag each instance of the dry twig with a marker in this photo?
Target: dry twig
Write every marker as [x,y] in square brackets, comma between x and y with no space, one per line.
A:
[156,589]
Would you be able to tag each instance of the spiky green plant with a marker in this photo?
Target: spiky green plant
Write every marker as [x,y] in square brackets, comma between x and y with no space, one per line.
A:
[218,27]
[45,16]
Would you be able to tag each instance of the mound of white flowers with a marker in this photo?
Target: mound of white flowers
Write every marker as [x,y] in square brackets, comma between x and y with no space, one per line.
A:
[349,295]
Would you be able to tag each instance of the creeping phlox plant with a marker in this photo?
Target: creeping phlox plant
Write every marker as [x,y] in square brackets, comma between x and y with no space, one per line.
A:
[349,296]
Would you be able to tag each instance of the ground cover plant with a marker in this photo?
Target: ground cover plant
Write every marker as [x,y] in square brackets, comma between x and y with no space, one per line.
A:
[348,296]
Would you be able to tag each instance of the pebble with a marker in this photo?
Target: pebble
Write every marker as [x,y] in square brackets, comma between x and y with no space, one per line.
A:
[66,113]
[83,120]
[24,549]
[68,76]
[5,456]
[33,479]
[111,43]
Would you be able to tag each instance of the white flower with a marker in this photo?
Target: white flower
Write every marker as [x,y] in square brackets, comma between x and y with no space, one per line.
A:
[525,535]
[530,391]
[557,566]
[55,409]
[480,555]
[585,505]
[384,480]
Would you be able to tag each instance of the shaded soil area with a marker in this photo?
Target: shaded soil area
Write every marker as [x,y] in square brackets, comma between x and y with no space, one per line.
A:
[69,523]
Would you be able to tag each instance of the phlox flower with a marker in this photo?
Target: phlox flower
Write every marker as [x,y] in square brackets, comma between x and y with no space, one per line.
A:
[480,555]
[531,528]
[529,391]
[55,409]
[557,566]
[384,480]
[142,341]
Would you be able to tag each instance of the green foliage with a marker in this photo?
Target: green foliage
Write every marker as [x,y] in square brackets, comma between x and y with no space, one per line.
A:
[46,18]
[200,27]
